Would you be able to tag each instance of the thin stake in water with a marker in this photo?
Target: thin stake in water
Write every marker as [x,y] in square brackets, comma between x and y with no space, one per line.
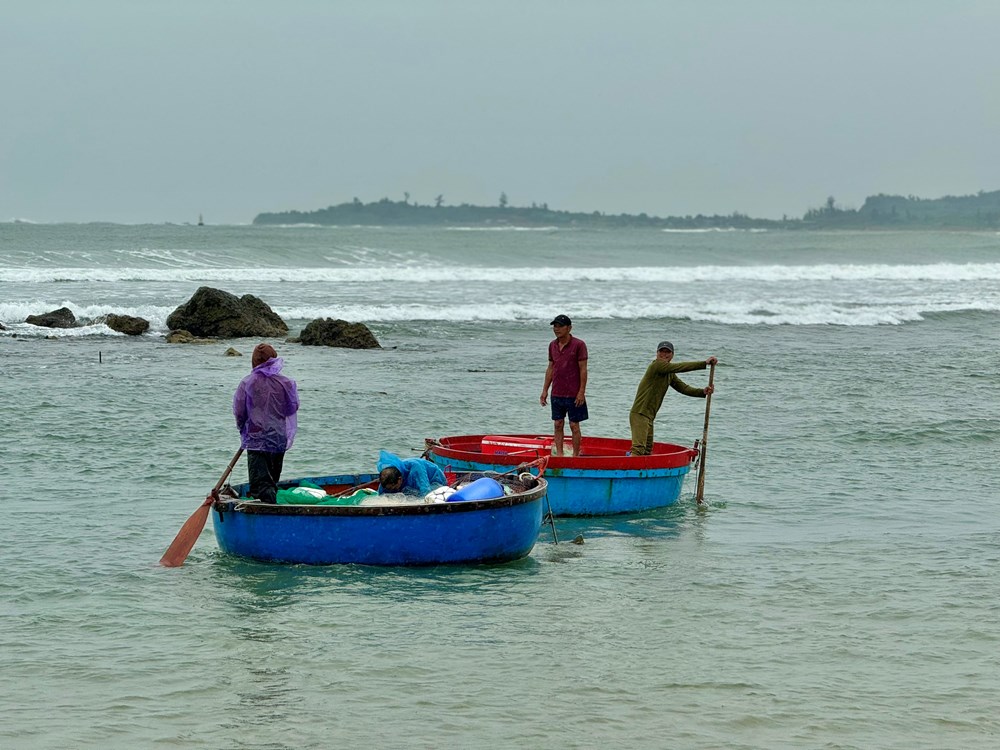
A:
[700,494]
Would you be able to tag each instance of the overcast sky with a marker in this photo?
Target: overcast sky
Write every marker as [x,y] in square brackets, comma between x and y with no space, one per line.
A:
[157,111]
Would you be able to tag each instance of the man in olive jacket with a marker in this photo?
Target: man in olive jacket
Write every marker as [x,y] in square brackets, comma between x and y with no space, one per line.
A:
[660,375]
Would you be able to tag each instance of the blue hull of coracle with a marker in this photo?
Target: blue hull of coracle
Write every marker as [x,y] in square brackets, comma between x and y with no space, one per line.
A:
[476,531]
[603,481]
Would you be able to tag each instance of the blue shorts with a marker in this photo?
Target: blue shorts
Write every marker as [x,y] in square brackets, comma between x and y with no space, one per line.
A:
[563,405]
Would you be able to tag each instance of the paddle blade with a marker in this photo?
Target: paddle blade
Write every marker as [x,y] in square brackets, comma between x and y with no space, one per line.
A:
[179,549]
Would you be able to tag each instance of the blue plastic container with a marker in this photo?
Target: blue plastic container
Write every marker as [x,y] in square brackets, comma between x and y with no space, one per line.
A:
[483,488]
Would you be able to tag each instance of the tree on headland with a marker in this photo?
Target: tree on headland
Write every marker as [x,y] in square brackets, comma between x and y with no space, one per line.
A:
[829,213]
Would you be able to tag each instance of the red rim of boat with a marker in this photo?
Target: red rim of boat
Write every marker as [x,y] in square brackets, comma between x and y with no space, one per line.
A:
[598,453]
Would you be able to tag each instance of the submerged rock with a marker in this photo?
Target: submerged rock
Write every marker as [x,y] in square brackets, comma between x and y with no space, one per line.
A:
[330,332]
[61,318]
[185,337]
[218,314]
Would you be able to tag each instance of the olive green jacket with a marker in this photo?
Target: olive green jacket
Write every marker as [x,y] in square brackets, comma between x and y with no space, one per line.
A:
[659,377]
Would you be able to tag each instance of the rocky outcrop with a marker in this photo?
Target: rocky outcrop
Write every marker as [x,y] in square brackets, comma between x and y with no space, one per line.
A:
[185,337]
[127,324]
[330,332]
[61,318]
[218,314]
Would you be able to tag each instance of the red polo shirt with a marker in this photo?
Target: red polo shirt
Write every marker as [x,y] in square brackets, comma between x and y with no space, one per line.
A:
[566,366]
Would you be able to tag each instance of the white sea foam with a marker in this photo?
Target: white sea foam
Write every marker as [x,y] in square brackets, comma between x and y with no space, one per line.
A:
[304,225]
[12,314]
[718,310]
[25,330]
[503,229]
[418,274]
[707,230]
[735,313]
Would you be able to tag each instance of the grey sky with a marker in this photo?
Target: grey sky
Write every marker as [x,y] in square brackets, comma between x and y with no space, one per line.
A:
[156,111]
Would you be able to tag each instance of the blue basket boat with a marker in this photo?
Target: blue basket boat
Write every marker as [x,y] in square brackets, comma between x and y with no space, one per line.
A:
[494,530]
[603,481]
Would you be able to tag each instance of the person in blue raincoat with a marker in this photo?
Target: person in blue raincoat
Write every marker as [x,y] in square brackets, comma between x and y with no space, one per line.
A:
[411,476]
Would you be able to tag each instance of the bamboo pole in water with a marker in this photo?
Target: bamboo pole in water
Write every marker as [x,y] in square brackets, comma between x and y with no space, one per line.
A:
[700,494]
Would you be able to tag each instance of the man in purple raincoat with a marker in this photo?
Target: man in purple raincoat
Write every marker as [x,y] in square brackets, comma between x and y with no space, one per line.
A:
[265,404]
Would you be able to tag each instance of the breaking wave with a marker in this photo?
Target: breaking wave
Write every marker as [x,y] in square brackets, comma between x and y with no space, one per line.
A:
[943,272]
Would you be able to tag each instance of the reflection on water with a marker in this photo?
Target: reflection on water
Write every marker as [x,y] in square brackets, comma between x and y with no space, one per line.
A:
[252,587]
[660,523]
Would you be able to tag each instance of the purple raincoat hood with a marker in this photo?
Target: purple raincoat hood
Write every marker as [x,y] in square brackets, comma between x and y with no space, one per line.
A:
[271,367]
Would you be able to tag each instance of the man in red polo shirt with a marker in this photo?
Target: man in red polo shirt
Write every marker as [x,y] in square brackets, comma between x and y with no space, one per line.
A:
[567,374]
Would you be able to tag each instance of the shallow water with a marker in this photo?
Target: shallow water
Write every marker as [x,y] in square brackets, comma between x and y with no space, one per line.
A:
[838,590]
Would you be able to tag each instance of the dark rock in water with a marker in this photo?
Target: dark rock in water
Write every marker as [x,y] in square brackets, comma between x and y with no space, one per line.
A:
[330,332]
[185,337]
[126,324]
[231,352]
[179,337]
[219,314]
[61,318]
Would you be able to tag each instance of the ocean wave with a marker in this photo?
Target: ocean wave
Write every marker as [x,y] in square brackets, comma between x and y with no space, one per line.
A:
[707,230]
[503,229]
[960,431]
[13,315]
[305,225]
[25,330]
[741,314]
[418,273]
[751,314]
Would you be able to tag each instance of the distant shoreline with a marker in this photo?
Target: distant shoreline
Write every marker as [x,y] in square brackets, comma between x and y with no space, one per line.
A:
[880,212]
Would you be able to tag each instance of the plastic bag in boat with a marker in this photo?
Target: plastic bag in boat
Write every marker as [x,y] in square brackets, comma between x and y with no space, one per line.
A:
[440,495]
[306,493]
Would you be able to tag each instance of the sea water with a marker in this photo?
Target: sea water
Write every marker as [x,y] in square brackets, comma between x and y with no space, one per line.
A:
[838,589]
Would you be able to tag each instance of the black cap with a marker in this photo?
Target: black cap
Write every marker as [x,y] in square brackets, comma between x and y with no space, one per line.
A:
[561,320]
[665,345]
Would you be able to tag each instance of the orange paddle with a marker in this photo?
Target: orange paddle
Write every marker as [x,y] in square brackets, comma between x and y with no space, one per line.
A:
[179,549]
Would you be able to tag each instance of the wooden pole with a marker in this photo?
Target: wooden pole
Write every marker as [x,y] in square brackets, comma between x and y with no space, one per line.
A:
[700,494]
